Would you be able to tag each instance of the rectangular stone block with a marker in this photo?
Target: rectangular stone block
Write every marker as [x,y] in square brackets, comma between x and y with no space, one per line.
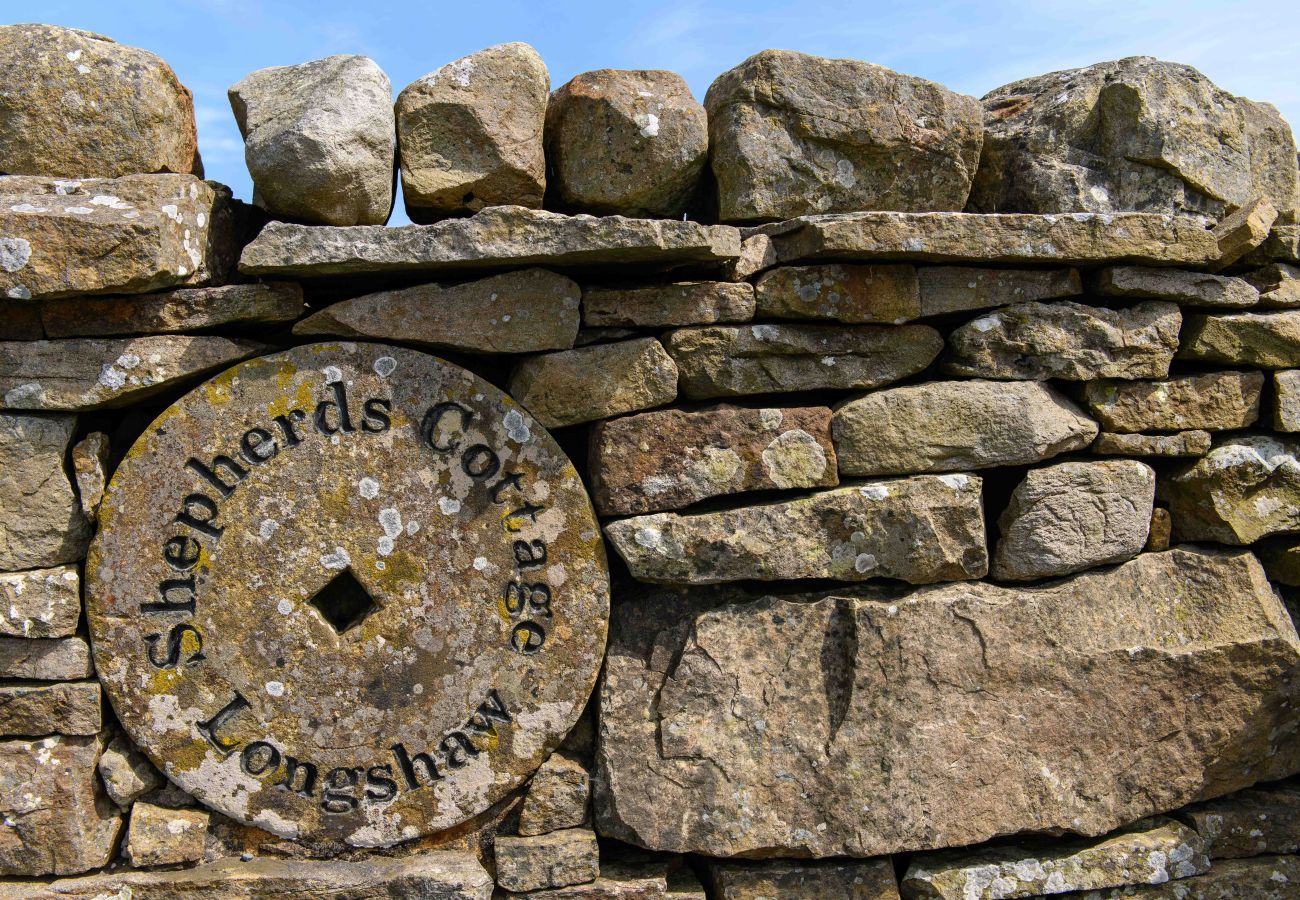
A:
[665,305]
[1262,878]
[45,659]
[42,603]
[1215,401]
[1269,340]
[950,289]
[1286,400]
[1264,819]
[34,710]
[880,294]
[1176,285]
[173,312]
[158,836]
[846,879]
[597,382]
[1184,443]
[41,521]
[557,859]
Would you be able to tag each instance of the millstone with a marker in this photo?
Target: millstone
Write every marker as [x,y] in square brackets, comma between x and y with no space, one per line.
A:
[347,592]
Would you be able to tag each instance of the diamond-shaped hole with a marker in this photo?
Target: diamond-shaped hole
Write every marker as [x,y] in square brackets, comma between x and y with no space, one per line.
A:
[344,603]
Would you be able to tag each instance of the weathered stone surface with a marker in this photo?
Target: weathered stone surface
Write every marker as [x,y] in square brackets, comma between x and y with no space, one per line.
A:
[1278,285]
[112,236]
[103,373]
[1067,340]
[1244,489]
[45,659]
[319,139]
[470,133]
[127,773]
[756,254]
[657,306]
[626,142]
[1184,443]
[41,522]
[340,601]
[1249,823]
[158,836]
[1264,878]
[1075,240]
[42,603]
[1161,531]
[79,105]
[1073,516]
[518,312]
[1137,133]
[886,294]
[549,860]
[1152,851]
[34,710]
[792,134]
[557,797]
[761,359]
[1244,230]
[673,458]
[620,880]
[1286,400]
[1177,286]
[728,727]
[494,237]
[173,312]
[851,880]
[597,382]
[919,530]
[1215,401]
[1270,340]
[945,426]
[54,818]
[949,289]
[90,471]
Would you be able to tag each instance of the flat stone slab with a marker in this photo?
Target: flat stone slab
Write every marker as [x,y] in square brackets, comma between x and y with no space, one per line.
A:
[1183,443]
[35,710]
[1261,878]
[173,312]
[45,659]
[347,592]
[1250,822]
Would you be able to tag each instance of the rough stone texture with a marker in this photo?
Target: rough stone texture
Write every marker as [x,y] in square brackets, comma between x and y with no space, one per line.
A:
[41,522]
[919,530]
[1264,878]
[173,312]
[557,797]
[761,359]
[518,312]
[37,710]
[792,134]
[673,458]
[105,373]
[590,383]
[45,659]
[1269,340]
[90,471]
[1135,134]
[549,860]
[756,254]
[1286,400]
[319,140]
[158,836]
[726,728]
[1184,443]
[1244,230]
[848,879]
[54,817]
[79,105]
[949,289]
[1152,851]
[1278,285]
[495,237]
[1067,340]
[127,773]
[1249,823]
[1161,531]
[658,306]
[470,133]
[42,603]
[620,880]
[886,294]
[1073,516]
[945,426]
[1215,401]
[1244,489]
[1177,286]
[626,142]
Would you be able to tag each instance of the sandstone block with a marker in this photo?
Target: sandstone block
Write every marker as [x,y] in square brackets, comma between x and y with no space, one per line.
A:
[949,289]
[173,312]
[90,471]
[1286,399]
[557,797]
[597,382]
[1250,822]
[619,880]
[158,836]
[41,521]
[1278,285]
[64,708]
[1243,230]
[42,603]
[127,773]
[550,860]
[45,659]
[1263,878]
[1184,443]
[1162,527]
[1176,286]
[1269,340]
[849,879]
[886,294]
[756,254]
[1244,489]
[658,306]
[1215,401]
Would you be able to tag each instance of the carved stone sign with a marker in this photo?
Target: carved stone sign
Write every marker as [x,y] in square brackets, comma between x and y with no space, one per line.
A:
[348,592]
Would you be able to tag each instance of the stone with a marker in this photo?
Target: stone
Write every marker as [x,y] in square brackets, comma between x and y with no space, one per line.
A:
[1250,822]
[1278,285]
[550,860]
[42,603]
[470,133]
[319,140]
[45,659]
[1281,559]
[1160,532]
[619,880]
[356,537]
[792,134]
[1262,878]
[105,373]
[950,289]
[28,710]
[850,879]
[919,530]
[626,142]
[54,817]
[1286,400]
[90,470]
[1067,340]
[158,836]
[557,797]
[122,235]
[79,105]
[1081,239]
[1183,443]
[596,382]
[526,311]
[947,426]
[1074,516]
[725,361]
[1215,401]
[885,294]
[728,724]
[1153,851]
[41,522]
[174,312]
[665,305]
[1176,286]
[672,458]
[756,254]
[1134,134]
[1270,340]
[1244,489]
[490,239]
[127,773]
[1244,230]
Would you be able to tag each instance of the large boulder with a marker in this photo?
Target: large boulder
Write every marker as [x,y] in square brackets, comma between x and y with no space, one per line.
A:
[1136,134]
[792,135]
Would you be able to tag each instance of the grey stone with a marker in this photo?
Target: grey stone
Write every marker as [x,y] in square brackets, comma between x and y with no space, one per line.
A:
[1244,489]
[1215,401]
[45,659]
[857,294]
[1270,340]
[158,836]
[658,306]
[1183,443]
[949,289]
[1286,400]
[41,521]
[72,707]
[173,312]
[550,860]
[848,879]
[1177,286]
[127,773]
[557,797]
[42,603]
[1264,819]
[597,382]
[90,471]
[1263,878]
[757,253]
[1278,285]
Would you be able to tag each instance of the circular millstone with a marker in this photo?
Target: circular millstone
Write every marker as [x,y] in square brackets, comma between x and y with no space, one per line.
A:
[348,592]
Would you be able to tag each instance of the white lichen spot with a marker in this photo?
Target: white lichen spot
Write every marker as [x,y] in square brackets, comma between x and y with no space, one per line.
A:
[267,528]
[275,688]
[449,505]
[794,459]
[480,563]
[864,562]
[384,366]
[25,394]
[111,377]
[368,488]
[986,323]
[956,480]
[110,201]
[874,491]
[19,292]
[391,521]
[14,253]
[771,419]
[339,559]
[844,174]
[284,607]
[27,208]
[516,428]
[332,374]
[73,55]
[648,123]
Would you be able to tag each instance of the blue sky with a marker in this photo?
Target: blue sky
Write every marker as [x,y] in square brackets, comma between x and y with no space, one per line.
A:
[1250,48]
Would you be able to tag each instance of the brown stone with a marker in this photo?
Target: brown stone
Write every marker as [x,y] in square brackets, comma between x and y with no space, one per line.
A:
[1184,443]
[41,522]
[620,880]
[596,382]
[756,254]
[1244,230]
[1177,286]
[1215,401]
[557,797]
[158,836]
[36,710]
[1278,285]
[90,469]
[174,312]
[42,603]
[884,294]
[1252,822]
[1160,531]
[848,879]
[127,773]
[45,659]
[1263,878]
[658,306]
[1244,489]
[1286,400]
[949,289]
[550,860]
[1269,340]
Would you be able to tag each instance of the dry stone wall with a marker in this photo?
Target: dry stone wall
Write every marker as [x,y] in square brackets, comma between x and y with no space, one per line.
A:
[906,484]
